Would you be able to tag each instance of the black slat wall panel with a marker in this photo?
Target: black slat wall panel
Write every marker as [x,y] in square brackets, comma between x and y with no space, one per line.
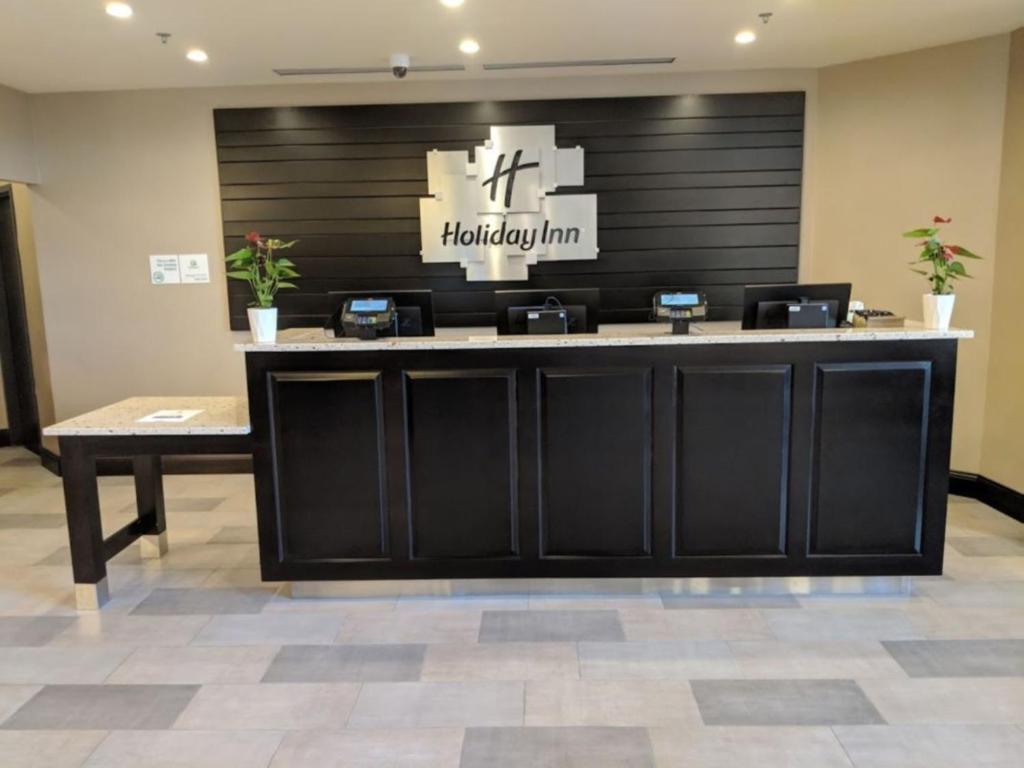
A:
[694,192]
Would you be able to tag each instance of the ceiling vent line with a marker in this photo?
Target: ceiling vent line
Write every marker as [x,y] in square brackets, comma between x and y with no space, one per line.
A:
[366,70]
[580,63]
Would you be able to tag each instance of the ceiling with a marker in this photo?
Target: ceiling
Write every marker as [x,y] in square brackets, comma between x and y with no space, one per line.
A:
[72,45]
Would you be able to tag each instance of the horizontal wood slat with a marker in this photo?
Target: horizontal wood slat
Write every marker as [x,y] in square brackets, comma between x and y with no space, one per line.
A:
[694,192]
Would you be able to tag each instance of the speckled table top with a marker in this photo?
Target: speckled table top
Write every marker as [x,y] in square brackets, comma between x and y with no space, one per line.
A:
[216,416]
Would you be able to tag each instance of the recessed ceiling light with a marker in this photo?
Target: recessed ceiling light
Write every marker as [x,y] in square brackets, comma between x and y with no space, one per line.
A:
[452,3]
[119,10]
[198,55]
[745,37]
[469,45]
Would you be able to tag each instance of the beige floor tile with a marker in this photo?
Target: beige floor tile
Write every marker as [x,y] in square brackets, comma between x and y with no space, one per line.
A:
[688,659]
[933,746]
[193,664]
[47,749]
[181,749]
[645,703]
[824,660]
[739,747]
[53,665]
[280,706]
[438,705]
[103,628]
[13,696]
[364,748]
[697,624]
[947,700]
[500,661]
[272,629]
[411,627]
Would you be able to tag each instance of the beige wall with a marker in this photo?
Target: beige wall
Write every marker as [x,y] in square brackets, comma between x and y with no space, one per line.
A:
[901,139]
[128,174]
[17,161]
[1002,455]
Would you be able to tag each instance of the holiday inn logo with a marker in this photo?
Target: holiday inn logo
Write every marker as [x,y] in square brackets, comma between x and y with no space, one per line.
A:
[493,215]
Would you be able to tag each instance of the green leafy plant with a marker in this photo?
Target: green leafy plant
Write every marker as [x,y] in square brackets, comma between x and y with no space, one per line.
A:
[258,266]
[945,266]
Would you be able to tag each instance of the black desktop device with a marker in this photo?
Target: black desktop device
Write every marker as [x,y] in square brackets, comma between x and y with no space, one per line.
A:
[413,314]
[560,310]
[809,305]
[679,308]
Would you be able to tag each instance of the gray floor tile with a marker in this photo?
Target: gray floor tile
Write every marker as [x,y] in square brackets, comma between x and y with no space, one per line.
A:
[346,663]
[437,705]
[550,626]
[986,546]
[933,746]
[368,748]
[31,520]
[783,702]
[587,747]
[180,602]
[31,630]
[728,602]
[186,749]
[959,658]
[95,707]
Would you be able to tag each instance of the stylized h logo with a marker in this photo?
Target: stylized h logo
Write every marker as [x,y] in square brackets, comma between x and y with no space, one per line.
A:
[510,172]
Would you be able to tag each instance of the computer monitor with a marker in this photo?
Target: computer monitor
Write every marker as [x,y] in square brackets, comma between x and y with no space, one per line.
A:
[415,309]
[767,306]
[583,306]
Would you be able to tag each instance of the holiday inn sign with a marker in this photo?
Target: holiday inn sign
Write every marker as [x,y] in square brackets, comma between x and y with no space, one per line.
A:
[494,216]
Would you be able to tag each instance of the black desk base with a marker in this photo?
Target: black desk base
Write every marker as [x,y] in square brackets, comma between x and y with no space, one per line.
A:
[90,551]
[693,460]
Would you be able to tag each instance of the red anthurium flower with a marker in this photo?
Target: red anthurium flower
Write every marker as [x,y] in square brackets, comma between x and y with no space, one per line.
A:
[253,237]
[947,253]
[941,220]
[956,249]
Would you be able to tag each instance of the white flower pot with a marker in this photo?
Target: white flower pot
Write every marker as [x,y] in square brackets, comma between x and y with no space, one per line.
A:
[938,310]
[263,324]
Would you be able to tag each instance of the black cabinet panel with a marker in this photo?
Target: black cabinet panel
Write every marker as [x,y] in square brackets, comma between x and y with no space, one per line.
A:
[461,455]
[869,450]
[595,462]
[732,459]
[328,453]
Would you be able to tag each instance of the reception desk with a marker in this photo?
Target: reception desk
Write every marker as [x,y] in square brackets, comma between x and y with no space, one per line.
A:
[628,453]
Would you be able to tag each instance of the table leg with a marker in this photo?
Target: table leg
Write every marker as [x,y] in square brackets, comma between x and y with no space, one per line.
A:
[149,501]
[85,529]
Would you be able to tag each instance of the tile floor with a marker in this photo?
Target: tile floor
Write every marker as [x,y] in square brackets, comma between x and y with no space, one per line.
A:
[197,663]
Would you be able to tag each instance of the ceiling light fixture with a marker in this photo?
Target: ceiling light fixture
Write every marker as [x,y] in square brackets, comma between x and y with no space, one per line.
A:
[452,3]
[469,46]
[119,10]
[745,37]
[198,55]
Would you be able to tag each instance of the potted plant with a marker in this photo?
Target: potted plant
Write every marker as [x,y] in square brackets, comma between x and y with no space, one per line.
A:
[266,275]
[938,305]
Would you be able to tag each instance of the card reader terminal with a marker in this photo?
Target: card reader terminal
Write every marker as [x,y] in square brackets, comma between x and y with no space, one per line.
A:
[368,317]
[679,308]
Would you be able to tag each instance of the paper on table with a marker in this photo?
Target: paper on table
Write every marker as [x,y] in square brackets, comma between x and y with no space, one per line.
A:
[169,416]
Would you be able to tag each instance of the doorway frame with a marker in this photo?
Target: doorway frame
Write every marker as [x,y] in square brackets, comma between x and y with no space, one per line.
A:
[15,346]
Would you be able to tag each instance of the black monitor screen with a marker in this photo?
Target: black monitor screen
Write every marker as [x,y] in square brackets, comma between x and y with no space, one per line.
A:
[584,305]
[781,295]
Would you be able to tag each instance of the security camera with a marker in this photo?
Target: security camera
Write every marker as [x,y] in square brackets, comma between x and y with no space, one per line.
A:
[399,65]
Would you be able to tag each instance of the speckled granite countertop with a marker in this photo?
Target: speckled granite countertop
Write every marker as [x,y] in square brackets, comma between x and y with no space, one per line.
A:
[621,335]
[217,416]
